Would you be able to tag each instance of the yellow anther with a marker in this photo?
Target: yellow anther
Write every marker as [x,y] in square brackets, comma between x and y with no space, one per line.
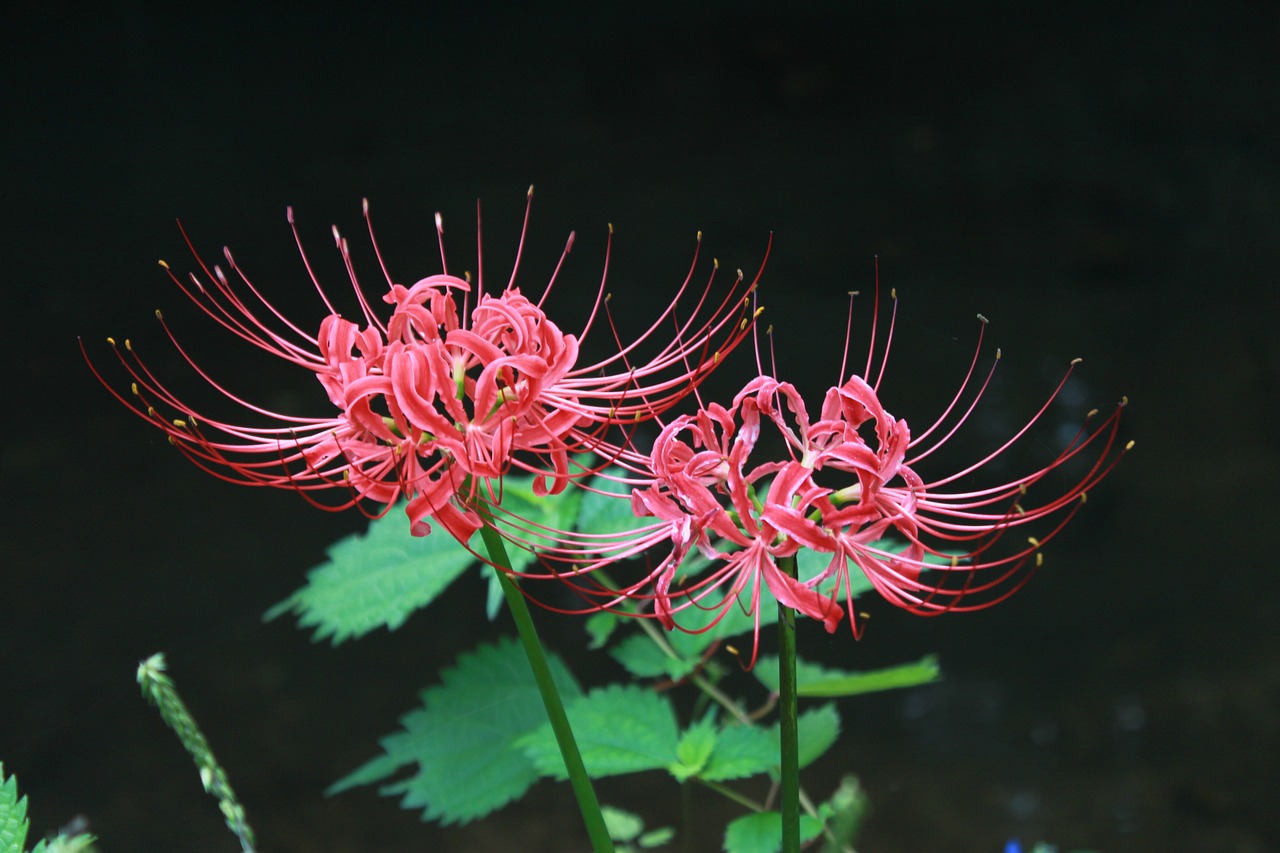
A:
[1039,559]
[955,562]
[715,357]
[610,227]
[159,316]
[111,341]
[864,615]
[731,648]
[715,263]
[163,264]
[742,324]
[179,423]
[769,331]
[133,386]
[1034,541]
[1084,497]
[757,312]
[173,441]
[152,413]
[699,236]
[128,345]
[855,292]
[1129,446]
[998,354]
[740,275]
[1076,361]
[530,193]
[608,296]
[893,293]
[1092,412]
[1124,401]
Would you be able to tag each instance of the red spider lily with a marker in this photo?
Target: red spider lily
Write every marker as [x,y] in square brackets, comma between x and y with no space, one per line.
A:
[440,397]
[847,487]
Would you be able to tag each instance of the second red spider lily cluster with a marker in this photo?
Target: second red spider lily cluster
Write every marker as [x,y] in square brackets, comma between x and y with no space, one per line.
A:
[458,387]
[844,487]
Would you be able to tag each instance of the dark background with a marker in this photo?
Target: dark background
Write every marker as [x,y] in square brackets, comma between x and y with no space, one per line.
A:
[1098,179]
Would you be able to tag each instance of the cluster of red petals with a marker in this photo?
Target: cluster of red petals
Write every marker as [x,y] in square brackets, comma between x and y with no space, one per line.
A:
[845,486]
[450,392]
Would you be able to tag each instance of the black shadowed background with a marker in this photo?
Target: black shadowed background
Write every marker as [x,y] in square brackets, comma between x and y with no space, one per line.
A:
[1100,180]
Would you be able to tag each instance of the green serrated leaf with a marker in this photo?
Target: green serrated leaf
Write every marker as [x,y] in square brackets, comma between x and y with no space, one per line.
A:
[619,729]
[644,658]
[762,832]
[818,681]
[375,579]
[694,749]
[460,743]
[741,751]
[13,815]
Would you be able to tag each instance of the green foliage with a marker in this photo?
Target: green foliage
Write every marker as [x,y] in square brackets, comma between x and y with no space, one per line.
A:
[460,743]
[761,832]
[628,833]
[375,579]
[740,751]
[80,843]
[160,691]
[819,728]
[619,729]
[14,825]
[479,739]
[379,578]
[557,512]
[695,749]
[13,816]
[843,814]
[817,681]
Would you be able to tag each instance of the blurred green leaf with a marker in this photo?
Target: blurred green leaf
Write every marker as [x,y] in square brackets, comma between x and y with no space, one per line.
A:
[820,682]
[762,832]
[843,813]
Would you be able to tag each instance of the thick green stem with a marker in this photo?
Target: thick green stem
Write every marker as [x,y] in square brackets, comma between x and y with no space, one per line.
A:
[788,723]
[578,778]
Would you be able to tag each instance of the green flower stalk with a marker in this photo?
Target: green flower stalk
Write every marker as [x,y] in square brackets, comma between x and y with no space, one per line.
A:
[160,691]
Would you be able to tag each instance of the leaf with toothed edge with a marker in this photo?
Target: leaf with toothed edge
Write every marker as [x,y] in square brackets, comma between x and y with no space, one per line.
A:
[460,744]
[375,579]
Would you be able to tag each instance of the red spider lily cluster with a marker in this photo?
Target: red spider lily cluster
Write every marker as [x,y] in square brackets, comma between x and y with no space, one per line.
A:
[441,398]
[458,387]
[846,487]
